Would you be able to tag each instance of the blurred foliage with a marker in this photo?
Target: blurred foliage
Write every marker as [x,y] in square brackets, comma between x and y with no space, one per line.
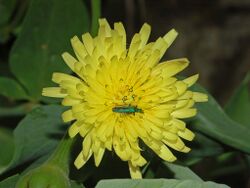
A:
[238,107]
[41,55]
[34,34]
[157,184]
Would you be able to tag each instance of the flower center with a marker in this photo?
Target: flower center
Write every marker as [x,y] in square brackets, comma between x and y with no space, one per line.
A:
[125,99]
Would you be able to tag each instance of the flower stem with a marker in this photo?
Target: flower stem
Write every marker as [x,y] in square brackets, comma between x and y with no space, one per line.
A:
[96,13]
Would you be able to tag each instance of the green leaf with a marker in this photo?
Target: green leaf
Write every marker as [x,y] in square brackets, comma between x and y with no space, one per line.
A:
[9,182]
[45,35]
[212,120]
[181,172]
[6,8]
[157,183]
[238,107]
[76,185]
[37,134]
[11,89]
[7,147]
[202,146]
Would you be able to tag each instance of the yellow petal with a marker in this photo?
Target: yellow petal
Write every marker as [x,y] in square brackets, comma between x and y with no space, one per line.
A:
[69,101]
[69,60]
[154,120]
[170,37]
[191,80]
[161,45]
[186,134]
[108,143]
[121,31]
[81,107]
[135,172]
[162,113]
[140,161]
[86,145]
[186,149]
[68,116]
[98,156]
[88,42]
[79,48]
[181,125]
[54,92]
[169,136]
[177,145]
[166,154]
[144,33]
[74,129]
[139,128]
[186,95]
[155,145]
[85,129]
[81,160]
[101,130]
[155,135]
[170,68]
[58,77]
[181,87]
[200,97]
[184,113]
[132,134]
[106,31]
[134,45]
[154,58]
[118,149]
[181,103]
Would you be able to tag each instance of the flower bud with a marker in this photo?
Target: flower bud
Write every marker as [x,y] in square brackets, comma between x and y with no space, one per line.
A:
[44,176]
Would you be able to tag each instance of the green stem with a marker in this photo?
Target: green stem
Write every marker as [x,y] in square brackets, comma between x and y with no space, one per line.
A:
[96,13]
[61,156]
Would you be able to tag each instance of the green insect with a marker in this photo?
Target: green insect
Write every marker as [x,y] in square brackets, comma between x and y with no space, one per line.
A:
[126,109]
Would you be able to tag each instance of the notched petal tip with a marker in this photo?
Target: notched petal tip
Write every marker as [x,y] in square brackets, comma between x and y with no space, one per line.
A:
[56,92]
[186,149]
[98,156]
[81,160]
[102,21]
[74,38]
[135,172]
[184,113]
[170,36]
[146,28]
[200,97]
[186,134]
[172,159]
[69,60]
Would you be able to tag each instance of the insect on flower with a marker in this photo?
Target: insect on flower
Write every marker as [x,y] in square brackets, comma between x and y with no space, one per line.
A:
[127,109]
[121,95]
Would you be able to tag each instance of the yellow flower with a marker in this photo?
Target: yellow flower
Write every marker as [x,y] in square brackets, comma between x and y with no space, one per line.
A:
[122,95]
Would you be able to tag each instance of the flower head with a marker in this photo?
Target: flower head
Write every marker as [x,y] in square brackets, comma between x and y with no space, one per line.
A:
[121,95]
